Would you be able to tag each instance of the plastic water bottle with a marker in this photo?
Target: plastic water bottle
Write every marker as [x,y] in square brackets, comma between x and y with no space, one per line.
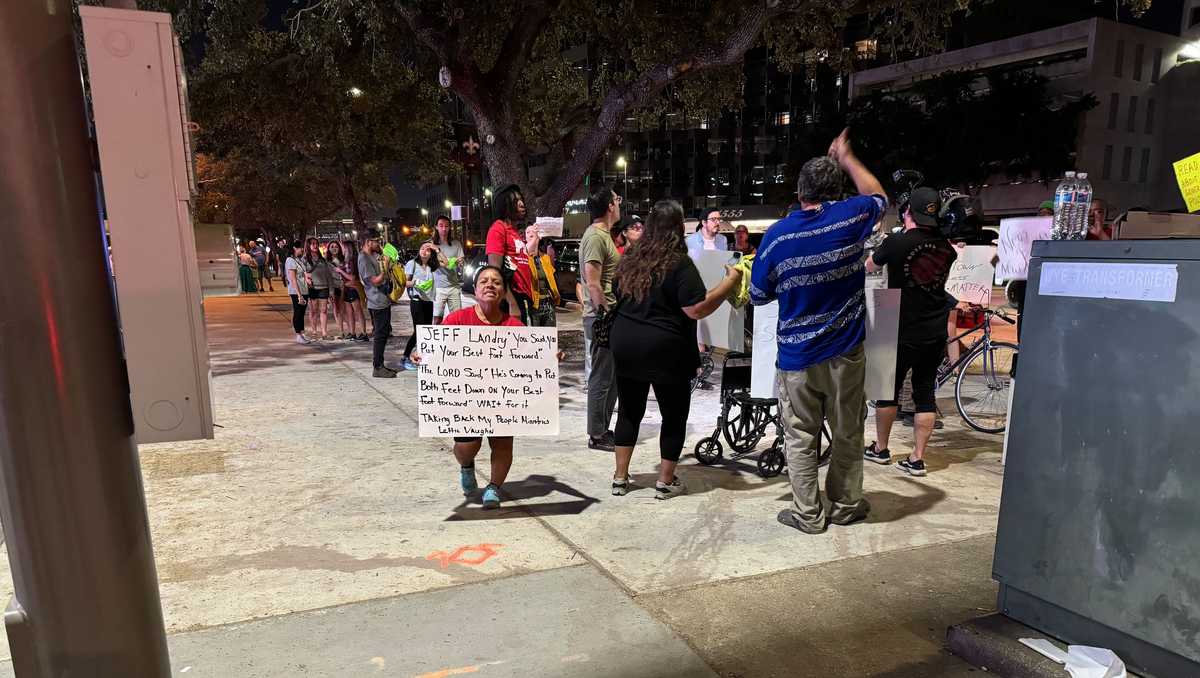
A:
[1063,196]
[1082,206]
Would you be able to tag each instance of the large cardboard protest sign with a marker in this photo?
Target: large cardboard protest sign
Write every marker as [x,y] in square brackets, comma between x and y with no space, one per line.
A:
[477,381]
[726,327]
[971,275]
[1016,243]
[883,324]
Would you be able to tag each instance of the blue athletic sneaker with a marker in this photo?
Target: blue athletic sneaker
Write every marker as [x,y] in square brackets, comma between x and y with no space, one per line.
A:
[491,497]
[466,478]
[410,366]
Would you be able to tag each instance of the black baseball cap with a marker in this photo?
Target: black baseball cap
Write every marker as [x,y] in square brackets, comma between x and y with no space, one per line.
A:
[925,203]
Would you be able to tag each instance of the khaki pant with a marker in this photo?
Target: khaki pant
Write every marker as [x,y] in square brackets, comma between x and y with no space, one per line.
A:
[832,390]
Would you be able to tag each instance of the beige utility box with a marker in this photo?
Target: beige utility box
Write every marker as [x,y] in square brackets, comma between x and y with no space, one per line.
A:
[1145,225]
[139,103]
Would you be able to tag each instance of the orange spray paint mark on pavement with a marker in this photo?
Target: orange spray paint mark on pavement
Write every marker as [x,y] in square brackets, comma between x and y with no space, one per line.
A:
[446,673]
[465,555]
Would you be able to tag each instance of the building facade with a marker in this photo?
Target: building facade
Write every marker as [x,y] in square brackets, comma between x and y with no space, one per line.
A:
[1145,119]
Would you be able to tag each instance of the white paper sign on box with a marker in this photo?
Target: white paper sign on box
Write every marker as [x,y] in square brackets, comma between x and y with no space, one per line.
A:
[550,227]
[883,322]
[726,327]
[1016,243]
[1098,280]
[478,381]
[971,275]
[456,213]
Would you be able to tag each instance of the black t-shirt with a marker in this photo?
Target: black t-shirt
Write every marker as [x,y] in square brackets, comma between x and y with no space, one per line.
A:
[653,339]
[918,263]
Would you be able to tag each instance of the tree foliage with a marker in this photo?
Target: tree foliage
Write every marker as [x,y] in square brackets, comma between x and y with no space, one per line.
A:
[338,116]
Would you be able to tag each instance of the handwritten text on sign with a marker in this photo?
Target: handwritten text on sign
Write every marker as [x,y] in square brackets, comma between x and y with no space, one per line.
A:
[971,275]
[1016,243]
[1187,173]
[477,381]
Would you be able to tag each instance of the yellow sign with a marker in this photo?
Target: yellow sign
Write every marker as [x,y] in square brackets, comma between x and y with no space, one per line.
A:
[1187,173]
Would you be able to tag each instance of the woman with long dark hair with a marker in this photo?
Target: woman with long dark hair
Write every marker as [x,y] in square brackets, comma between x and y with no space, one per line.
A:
[490,290]
[510,245]
[660,296]
[354,293]
[297,287]
[320,279]
[420,274]
[341,281]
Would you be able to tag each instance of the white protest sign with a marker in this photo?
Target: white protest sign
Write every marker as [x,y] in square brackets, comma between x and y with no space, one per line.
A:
[549,227]
[1016,242]
[726,326]
[762,358]
[971,275]
[477,381]
[883,326]
[456,213]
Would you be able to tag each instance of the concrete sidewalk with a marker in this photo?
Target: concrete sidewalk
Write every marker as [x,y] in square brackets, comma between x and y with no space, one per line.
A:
[318,512]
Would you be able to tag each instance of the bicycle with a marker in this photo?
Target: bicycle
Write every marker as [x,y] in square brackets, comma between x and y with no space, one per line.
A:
[984,376]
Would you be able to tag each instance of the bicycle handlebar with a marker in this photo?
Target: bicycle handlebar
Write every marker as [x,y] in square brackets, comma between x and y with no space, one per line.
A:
[1001,315]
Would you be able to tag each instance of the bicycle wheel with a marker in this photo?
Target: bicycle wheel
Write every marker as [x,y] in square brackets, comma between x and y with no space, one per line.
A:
[981,390]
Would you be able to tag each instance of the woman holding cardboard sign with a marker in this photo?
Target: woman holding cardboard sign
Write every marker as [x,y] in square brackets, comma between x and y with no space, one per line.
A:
[660,296]
[490,290]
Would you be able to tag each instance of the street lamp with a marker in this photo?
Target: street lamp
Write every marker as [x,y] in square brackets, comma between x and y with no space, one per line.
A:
[625,174]
[449,204]
[424,212]
[355,92]
[487,192]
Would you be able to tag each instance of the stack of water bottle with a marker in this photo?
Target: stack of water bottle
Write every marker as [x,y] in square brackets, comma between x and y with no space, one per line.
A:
[1072,204]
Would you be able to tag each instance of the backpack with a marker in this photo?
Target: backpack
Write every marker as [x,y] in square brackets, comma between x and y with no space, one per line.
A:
[398,281]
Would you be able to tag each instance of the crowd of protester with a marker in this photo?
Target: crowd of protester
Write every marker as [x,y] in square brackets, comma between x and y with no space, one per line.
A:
[642,294]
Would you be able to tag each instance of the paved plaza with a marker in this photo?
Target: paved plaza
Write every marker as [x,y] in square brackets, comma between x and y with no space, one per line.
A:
[317,535]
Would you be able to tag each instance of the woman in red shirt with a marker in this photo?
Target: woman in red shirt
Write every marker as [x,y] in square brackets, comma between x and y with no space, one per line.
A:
[490,289]
[508,248]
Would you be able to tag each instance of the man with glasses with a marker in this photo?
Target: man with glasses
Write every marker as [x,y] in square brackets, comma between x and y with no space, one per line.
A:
[707,236]
[598,258]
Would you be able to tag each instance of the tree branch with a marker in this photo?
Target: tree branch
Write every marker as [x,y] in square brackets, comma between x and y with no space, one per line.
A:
[530,19]
[620,99]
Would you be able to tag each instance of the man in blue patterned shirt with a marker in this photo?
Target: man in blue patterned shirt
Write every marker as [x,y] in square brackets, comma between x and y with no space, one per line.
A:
[811,262]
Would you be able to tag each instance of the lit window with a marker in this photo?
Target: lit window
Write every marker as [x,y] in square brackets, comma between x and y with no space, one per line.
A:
[782,119]
[866,49]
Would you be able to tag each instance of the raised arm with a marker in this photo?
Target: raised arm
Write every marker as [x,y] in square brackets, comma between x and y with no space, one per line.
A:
[864,182]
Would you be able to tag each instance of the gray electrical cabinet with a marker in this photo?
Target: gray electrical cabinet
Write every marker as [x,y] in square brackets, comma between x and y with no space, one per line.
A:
[1099,533]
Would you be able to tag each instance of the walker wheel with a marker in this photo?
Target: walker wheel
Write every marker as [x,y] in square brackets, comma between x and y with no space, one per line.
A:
[771,462]
[708,451]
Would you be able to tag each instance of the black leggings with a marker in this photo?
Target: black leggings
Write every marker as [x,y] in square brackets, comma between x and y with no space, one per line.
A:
[422,314]
[297,314]
[674,402]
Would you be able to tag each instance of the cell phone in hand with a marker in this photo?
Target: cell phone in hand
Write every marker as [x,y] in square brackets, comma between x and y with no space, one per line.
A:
[734,258]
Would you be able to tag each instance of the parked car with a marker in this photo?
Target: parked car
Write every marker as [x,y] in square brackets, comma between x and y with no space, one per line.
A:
[566,267]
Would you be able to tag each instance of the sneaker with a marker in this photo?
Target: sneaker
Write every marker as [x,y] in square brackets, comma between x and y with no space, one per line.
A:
[410,366]
[491,497]
[301,339]
[787,517]
[466,478]
[912,468]
[621,487]
[663,491]
[362,337]
[605,442]
[878,456]
[384,373]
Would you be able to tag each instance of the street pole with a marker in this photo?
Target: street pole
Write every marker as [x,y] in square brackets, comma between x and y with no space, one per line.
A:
[86,593]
